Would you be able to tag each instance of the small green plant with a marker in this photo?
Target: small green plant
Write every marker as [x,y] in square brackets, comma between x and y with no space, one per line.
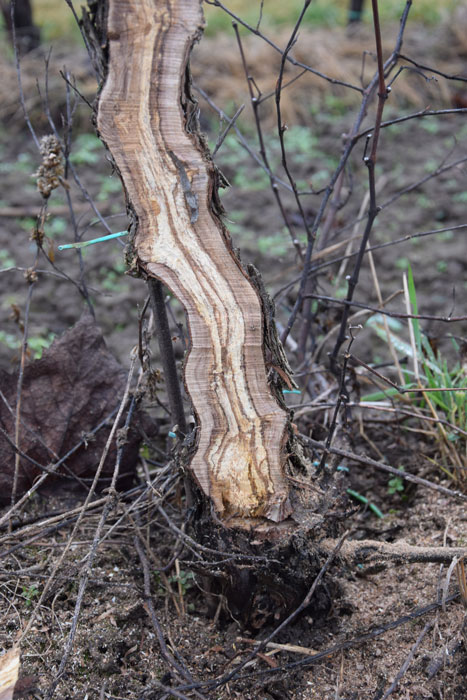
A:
[363,499]
[112,280]
[432,126]
[160,588]
[9,340]
[110,185]
[27,223]
[276,244]
[6,260]
[23,164]
[56,226]
[402,263]
[460,197]
[442,266]
[396,484]
[29,593]
[184,580]
[87,150]
[37,344]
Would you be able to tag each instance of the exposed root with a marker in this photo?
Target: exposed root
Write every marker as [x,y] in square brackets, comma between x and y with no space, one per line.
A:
[372,552]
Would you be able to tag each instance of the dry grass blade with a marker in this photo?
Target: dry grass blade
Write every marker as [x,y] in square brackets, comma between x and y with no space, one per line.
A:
[293,648]
[462,579]
[408,660]
[447,580]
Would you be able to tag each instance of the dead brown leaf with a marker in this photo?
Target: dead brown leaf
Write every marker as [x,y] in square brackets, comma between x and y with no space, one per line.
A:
[66,394]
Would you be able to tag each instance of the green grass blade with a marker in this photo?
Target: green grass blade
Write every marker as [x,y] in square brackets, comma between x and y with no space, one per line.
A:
[413,302]
[428,349]
[381,395]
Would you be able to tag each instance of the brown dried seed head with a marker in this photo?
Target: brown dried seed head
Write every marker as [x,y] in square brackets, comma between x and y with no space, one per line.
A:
[30,275]
[51,169]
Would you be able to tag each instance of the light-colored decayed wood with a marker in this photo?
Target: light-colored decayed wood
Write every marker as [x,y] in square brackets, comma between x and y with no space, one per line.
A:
[240,449]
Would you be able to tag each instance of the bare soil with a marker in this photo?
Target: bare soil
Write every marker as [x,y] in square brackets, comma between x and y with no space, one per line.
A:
[116,653]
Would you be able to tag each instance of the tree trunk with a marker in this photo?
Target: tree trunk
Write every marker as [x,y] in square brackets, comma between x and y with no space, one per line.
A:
[27,34]
[148,120]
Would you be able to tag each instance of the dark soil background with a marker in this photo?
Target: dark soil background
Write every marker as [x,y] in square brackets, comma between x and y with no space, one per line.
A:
[116,653]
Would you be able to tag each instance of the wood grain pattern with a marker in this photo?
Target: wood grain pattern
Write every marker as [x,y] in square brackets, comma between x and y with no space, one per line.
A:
[169,181]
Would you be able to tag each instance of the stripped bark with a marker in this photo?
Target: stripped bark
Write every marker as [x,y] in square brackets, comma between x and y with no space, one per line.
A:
[148,121]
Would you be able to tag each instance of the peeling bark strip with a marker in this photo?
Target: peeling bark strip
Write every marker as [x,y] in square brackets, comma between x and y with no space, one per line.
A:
[169,179]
